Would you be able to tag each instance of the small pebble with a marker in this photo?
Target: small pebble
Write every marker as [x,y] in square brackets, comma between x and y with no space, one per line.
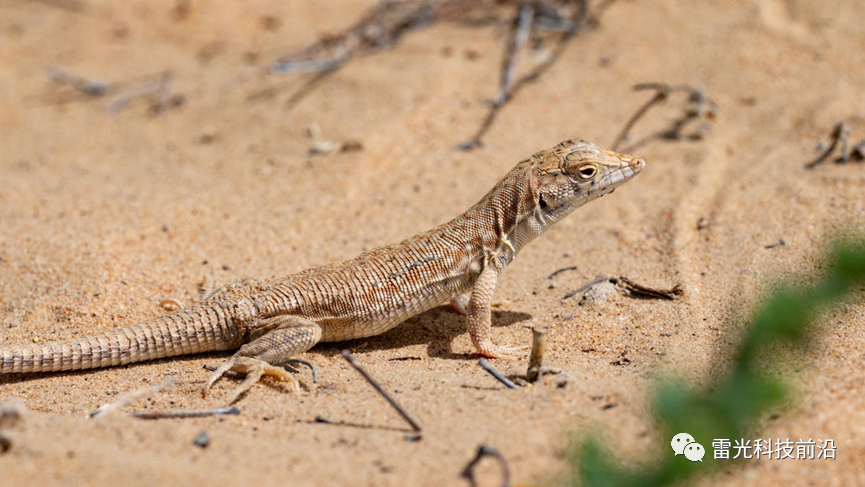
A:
[11,413]
[322,147]
[601,291]
[202,440]
[208,135]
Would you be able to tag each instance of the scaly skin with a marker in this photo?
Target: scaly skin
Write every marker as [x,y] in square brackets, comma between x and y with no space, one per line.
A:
[270,321]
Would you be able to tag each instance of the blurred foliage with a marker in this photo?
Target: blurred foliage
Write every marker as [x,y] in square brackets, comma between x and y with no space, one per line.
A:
[741,395]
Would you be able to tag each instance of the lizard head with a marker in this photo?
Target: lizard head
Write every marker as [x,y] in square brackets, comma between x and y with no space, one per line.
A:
[576,172]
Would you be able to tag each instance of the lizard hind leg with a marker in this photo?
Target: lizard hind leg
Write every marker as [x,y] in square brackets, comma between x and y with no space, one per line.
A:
[277,339]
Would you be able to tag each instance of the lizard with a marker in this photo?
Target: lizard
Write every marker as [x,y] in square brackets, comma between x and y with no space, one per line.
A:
[270,321]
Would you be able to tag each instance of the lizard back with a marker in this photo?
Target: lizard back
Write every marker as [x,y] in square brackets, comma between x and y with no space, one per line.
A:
[381,288]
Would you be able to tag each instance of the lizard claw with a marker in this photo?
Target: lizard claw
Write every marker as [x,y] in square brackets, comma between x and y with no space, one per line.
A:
[254,370]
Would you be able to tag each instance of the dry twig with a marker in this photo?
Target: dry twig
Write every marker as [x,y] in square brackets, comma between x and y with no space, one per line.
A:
[130,397]
[580,18]
[637,290]
[80,83]
[699,107]
[354,363]
[196,413]
[780,243]
[631,288]
[384,25]
[559,271]
[487,451]
[160,89]
[840,135]
[381,27]
[525,15]
[539,348]
[495,373]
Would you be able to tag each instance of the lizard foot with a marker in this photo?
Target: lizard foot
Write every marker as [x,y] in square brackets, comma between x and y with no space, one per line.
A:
[254,370]
[491,350]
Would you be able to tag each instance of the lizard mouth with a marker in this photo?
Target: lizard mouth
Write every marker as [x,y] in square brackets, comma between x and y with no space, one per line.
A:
[615,178]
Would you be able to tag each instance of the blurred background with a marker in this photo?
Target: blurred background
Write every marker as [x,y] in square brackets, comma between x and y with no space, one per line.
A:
[149,145]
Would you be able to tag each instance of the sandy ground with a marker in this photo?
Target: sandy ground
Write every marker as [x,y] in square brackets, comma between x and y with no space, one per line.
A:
[103,216]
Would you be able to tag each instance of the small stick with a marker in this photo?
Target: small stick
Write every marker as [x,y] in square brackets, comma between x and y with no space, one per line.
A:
[839,134]
[586,286]
[196,413]
[160,88]
[351,361]
[549,19]
[660,96]
[521,36]
[487,451]
[539,347]
[845,148]
[591,20]
[495,373]
[559,271]
[84,85]
[130,397]
[639,290]
[779,243]
[307,88]
[663,91]
[308,65]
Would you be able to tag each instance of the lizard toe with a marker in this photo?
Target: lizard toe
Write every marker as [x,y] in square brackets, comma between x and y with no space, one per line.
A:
[505,352]
[254,369]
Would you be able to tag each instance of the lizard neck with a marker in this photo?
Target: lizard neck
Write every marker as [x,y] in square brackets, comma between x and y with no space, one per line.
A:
[505,219]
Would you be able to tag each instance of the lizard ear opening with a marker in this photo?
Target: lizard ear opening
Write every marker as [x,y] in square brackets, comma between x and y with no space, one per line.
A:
[542,202]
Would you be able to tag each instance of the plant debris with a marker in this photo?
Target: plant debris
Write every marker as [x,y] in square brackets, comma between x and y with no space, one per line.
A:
[699,107]
[840,134]
[639,291]
[354,363]
[487,451]
[498,375]
[602,287]
[536,23]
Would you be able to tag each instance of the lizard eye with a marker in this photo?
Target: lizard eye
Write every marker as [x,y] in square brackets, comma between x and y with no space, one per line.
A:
[588,171]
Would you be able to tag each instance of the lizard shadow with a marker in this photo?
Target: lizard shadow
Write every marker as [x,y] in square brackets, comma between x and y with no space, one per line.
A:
[436,328]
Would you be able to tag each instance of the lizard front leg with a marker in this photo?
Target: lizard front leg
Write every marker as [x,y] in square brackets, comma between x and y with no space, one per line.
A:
[277,339]
[479,319]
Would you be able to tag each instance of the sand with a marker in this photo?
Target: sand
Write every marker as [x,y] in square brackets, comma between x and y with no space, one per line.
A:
[103,216]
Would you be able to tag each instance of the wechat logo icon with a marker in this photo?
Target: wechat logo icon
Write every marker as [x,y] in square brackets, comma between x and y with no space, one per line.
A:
[683,443]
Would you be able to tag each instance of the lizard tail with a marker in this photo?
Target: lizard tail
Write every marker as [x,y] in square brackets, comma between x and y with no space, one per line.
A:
[190,330]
